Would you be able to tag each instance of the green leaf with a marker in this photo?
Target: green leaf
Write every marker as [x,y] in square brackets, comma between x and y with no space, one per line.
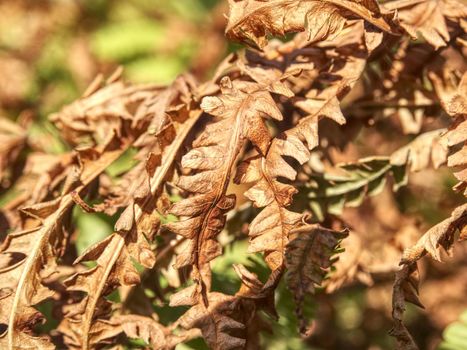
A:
[455,335]
[92,229]
[367,177]
[154,69]
[125,40]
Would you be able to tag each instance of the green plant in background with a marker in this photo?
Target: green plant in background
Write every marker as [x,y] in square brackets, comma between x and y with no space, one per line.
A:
[455,335]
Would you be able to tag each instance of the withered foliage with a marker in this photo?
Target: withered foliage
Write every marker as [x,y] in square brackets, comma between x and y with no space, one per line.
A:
[270,122]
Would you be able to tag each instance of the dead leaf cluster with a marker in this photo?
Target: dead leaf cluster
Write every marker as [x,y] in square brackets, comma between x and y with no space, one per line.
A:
[268,120]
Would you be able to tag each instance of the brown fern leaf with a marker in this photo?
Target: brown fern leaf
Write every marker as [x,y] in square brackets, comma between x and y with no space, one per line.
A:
[104,108]
[162,112]
[29,256]
[441,235]
[239,113]
[429,18]
[256,294]
[43,176]
[41,180]
[457,135]
[269,231]
[338,66]
[38,256]
[138,223]
[152,332]
[89,315]
[352,264]
[453,99]
[216,321]
[406,283]
[22,288]
[425,149]
[226,322]
[251,20]
[309,255]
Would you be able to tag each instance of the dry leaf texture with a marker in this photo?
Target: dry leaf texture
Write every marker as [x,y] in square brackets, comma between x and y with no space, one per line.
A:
[271,123]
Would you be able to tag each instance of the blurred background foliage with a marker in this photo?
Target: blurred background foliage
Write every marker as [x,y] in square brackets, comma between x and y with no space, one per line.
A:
[50,50]
[455,335]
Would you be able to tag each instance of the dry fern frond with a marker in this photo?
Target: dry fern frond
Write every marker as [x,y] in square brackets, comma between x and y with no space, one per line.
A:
[110,107]
[30,255]
[239,113]
[252,21]
[406,283]
[426,149]
[137,224]
[429,18]
[309,256]
[269,231]
[454,101]
[152,332]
